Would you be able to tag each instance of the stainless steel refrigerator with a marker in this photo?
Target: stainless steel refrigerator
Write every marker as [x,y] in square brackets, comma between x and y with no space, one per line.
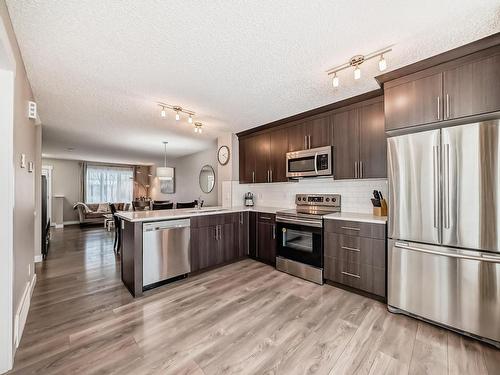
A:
[444,227]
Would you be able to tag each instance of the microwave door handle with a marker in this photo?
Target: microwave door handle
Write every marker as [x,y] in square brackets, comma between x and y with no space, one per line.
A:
[316,163]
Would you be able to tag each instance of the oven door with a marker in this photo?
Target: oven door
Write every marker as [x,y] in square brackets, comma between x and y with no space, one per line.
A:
[301,243]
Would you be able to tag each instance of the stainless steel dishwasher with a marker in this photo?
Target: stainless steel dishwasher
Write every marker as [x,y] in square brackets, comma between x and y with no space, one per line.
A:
[165,251]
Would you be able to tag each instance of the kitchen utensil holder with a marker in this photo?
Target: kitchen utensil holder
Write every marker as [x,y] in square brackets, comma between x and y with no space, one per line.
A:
[382,210]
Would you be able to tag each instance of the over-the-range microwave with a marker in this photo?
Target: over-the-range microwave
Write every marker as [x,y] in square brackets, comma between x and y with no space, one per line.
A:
[310,163]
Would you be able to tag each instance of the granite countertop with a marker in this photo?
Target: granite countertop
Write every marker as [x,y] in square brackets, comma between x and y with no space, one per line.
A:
[182,213]
[352,216]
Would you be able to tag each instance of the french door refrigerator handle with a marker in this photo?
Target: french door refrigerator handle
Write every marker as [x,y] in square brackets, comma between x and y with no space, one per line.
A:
[485,258]
[435,155]
[446,195]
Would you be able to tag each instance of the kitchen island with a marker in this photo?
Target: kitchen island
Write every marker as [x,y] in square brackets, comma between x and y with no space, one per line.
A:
[211,237]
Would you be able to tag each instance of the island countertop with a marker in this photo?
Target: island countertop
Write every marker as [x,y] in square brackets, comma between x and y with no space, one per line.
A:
[182,213]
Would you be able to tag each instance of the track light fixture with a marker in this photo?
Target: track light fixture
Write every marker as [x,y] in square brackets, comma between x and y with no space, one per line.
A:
[197,127]
[355,62]
[177,109]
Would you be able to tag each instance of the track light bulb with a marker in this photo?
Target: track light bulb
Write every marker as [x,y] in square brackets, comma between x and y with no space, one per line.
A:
[357,72]
[195,129]
[177,116]
[190,119]
[199,130]
[382,64]
[335,80]
[163,113]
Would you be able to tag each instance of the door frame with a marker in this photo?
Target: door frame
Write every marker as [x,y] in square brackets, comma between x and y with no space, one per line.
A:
[47,171]
[7,174]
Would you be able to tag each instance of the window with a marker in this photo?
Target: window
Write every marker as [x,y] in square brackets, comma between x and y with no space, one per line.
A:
[108,184]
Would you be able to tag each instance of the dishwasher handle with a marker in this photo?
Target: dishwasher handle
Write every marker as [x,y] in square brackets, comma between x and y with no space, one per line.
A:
[166,224]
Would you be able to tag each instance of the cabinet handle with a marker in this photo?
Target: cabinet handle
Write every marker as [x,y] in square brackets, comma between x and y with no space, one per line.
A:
[253,176]
[355,169]
[309,141]
[447,106]
[265,217]
[350,228]
[274,231]
[241,217]
[271,175]
[351,274]
[439,108]
[305,142]
[268,175]
[216,233]
[360,169]
[350,249]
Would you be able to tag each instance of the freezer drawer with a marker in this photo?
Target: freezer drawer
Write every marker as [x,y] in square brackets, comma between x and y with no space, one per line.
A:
[456,288]
[165,250]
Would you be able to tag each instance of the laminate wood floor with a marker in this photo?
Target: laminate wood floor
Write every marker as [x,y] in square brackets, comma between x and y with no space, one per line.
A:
[244,318]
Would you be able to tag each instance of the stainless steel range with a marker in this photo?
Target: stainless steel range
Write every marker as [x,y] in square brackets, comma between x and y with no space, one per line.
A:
[300,235]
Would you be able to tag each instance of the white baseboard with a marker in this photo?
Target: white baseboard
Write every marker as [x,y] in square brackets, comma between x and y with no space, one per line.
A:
[38,258]
[71,222]
[22,311]
[59,226]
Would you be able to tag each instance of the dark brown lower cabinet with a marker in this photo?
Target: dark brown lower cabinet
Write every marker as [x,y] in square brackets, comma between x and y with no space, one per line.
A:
[266,238]
[243,234]
[214,240]
[355,255]
[252,234]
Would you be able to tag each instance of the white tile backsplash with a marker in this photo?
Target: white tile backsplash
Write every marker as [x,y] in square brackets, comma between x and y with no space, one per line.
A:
[355,194]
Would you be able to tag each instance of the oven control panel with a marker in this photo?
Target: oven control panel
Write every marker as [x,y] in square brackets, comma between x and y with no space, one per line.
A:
[329,200]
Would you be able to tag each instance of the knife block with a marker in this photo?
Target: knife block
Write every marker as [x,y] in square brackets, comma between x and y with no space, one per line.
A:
[382,210]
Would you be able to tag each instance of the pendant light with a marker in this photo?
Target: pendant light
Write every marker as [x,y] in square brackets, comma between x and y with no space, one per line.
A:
[165,173]
[357,72]
[335,80]
[382,64]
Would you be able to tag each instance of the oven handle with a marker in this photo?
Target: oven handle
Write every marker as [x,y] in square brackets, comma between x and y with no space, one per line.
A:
[316,163]
[311,223]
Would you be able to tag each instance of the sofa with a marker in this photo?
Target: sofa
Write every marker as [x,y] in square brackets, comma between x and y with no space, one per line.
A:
[93,213]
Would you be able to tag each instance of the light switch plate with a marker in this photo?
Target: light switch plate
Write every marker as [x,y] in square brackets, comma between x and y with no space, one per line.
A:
[23,160]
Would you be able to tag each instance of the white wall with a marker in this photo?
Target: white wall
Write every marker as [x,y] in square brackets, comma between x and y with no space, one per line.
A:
[66,181]
[355,194]
[187,170]
[18,190]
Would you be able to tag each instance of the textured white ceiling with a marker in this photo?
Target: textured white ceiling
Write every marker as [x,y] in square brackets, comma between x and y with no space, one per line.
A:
[97,67]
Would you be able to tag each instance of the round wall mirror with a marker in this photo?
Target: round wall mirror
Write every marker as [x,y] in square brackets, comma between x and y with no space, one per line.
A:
[207,178]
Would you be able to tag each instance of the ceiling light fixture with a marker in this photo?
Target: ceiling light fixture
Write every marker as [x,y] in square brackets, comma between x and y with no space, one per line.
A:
[356,61]
[197,127]
[165,173]
[335,80]
[177,109]
[357,72]
[382,63]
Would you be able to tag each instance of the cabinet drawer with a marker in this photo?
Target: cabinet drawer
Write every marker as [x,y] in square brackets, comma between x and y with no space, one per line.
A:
[355,249]
[355,228]
[266,218]
[216,219]
[360,276]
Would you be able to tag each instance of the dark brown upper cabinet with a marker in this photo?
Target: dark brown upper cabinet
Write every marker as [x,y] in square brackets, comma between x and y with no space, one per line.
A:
[312,133]
[459,88]
[472,88]
[359,142]
[372,141]
[263,157]
[346,144]
[414,103]
[277,161]
[247,160]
